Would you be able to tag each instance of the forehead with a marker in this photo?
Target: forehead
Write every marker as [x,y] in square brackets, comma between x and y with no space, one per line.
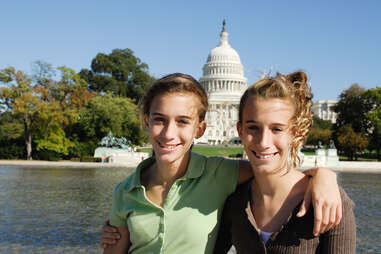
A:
[175,104]
[273,108]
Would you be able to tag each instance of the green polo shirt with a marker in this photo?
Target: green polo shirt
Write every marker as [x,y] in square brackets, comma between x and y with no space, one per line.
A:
[189,220]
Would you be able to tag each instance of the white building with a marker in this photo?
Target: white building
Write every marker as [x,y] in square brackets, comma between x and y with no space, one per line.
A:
[223,80]
[323,109]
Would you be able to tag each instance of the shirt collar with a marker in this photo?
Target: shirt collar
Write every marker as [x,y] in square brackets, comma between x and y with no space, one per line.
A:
[195,169]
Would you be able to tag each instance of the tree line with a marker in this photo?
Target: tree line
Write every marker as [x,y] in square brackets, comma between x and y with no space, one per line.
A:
[357,131]
[56,113]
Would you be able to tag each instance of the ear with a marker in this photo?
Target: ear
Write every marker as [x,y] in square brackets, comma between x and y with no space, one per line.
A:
[239,129]
[201,129]
[145,118]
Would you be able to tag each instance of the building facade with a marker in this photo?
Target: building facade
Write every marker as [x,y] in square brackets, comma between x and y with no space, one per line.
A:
[224,81]
[323,109]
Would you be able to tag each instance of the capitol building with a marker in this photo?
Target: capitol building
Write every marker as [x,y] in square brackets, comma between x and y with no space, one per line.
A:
[224,81]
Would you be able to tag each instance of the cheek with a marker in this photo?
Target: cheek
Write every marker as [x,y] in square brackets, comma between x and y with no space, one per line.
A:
[247,139]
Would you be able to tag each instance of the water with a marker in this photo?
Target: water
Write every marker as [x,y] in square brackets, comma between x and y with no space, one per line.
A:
[61,210]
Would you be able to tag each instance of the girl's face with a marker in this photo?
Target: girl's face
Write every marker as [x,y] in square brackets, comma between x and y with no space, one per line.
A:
[265,132]
[173,123]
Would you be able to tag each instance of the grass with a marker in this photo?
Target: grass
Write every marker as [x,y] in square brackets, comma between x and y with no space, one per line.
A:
[208,150]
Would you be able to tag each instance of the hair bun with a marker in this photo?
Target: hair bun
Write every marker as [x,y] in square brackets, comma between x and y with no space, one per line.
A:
[298,76]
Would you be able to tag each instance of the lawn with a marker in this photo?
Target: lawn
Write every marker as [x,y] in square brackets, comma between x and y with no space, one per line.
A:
[230,151]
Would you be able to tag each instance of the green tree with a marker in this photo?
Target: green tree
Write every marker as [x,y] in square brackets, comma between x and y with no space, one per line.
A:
[350,142]
[372,98]
[47,107]
[12,144]
[321,130]
[21,100]
[351,109]
[120,73]
[64,100]
[110,113]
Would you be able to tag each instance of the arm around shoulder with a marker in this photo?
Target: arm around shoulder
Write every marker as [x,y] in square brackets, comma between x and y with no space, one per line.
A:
[122,245]
[342,238]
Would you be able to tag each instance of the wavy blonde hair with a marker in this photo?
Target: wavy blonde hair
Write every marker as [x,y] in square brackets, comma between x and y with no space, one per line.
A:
[293,87]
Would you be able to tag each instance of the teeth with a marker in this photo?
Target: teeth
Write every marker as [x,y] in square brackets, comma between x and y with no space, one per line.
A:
[168,146]
[263,156]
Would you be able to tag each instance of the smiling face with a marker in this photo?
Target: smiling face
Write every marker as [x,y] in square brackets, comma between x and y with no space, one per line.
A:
[173,124]
[265,132]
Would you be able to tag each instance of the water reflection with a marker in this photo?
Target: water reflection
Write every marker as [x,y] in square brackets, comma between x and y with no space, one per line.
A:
[60,210]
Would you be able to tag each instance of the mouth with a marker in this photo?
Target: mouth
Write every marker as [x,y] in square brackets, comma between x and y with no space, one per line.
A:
[264,156]
[168,146]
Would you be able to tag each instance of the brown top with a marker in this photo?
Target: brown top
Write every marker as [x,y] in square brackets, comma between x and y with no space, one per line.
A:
[238,229]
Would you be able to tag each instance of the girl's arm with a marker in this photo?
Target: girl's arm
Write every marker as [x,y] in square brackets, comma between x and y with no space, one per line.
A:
[323,192]
[341,239]
[122,245]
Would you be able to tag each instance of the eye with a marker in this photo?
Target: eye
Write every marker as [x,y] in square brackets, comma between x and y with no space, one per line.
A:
[277,129]
[253,127]
[183,121]
[158,119]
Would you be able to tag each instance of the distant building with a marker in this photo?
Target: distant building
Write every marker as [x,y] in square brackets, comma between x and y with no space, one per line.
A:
[223,80]
[323,109]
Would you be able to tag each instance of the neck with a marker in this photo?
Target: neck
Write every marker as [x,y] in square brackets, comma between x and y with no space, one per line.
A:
[168,173]
[278,185]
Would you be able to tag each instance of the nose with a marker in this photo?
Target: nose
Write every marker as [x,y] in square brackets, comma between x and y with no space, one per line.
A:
[169,132]
[264,138]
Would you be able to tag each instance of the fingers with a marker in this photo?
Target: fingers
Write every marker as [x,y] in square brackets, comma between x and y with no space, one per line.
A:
[110,235]
[339,214]
[327,215]
[317,217]
[306,203]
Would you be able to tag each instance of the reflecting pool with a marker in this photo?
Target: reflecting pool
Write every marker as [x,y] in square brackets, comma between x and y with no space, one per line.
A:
[61,210]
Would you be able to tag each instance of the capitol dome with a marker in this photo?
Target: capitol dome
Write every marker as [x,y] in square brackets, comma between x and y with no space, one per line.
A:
[224,81]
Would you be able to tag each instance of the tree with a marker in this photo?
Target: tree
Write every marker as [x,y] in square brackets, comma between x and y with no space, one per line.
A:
[12,145]
[111,113]
[321,130]
[351,142]
[47,107]
[120,73]
[21,100]
[64,100]
[351,109]
[372,98]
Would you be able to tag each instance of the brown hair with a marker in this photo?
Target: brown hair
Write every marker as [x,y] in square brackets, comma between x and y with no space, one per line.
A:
[295,88]
[175,83]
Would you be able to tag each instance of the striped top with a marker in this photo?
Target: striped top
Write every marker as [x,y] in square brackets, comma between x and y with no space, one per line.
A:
[295,237]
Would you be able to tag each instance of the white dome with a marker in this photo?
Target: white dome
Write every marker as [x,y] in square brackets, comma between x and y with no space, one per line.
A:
[224,52]
[224,81]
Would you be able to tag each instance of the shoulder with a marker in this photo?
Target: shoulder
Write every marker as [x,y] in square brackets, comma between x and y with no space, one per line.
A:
[221,162]
[133,180]
[126,185]
[239,198]
[347,202]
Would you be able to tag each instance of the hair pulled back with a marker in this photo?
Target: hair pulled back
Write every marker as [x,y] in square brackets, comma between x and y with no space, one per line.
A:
[293,87]
[175,83]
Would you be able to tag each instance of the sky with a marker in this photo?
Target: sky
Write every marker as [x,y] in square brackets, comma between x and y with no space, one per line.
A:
[337,43]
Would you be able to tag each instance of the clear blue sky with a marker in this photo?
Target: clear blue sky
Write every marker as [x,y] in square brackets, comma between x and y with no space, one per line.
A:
[337,43]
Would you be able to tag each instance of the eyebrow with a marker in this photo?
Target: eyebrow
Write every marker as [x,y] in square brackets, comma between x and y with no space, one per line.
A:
[278,124]
[181,116]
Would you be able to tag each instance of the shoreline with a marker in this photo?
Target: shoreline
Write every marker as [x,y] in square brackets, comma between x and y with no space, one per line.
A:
[344,166]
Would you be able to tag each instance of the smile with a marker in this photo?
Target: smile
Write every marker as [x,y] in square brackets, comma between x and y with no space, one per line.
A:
[264,156]
[169,147]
